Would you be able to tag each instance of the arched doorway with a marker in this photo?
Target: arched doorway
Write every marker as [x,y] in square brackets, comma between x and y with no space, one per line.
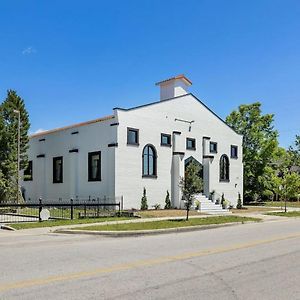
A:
[190,160]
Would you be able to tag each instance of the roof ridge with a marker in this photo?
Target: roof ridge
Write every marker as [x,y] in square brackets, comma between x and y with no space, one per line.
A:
[72,126]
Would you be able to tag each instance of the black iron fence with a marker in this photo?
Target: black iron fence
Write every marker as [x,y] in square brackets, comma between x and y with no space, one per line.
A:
[60,209]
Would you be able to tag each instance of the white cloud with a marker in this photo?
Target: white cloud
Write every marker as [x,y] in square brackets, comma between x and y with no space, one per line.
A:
[29,50]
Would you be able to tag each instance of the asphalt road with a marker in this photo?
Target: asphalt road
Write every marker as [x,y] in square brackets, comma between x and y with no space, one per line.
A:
[251,261]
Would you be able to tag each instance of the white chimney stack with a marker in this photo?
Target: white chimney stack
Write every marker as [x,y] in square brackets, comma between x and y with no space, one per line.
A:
[174,87]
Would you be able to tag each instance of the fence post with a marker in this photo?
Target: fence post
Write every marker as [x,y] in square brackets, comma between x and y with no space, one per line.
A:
[122,201]
[119,209]
[72,209]
[40,209]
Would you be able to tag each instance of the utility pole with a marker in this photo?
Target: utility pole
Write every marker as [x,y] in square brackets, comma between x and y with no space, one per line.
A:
[18,158]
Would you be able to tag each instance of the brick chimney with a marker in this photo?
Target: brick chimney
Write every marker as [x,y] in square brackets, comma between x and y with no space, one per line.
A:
[174,87]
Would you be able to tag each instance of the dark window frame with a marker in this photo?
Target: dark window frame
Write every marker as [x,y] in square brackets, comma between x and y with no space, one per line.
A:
[28,172]
[216,147]
[237,153]
[162,135]
[55,180]
[130,129]
[224,168]
[98,176]
[147,175]
[193,142]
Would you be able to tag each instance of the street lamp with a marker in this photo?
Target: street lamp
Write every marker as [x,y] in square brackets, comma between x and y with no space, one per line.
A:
[18,158]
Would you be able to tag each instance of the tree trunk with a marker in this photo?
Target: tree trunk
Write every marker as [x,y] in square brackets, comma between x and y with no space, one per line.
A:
[187,213]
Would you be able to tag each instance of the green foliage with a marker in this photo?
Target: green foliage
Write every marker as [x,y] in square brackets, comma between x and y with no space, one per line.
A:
[168,201]
[144,204]
[9,141]
[191,185]
[259,145]
[294,152]
[239,202]
[290,185]
[279,178]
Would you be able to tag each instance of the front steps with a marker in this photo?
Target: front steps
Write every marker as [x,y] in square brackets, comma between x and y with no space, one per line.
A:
[207,206]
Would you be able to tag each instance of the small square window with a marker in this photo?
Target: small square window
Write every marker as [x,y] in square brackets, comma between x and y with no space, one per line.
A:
[234,151]
[58,169]
[132,136]
[28,172]
[94,166]
[213,147]
[190,144]
[165,139]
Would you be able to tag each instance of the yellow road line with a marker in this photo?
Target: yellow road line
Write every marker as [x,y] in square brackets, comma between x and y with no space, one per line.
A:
[139,264]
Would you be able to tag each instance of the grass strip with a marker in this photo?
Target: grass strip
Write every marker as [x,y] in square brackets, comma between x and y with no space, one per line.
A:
[169,223]
[281,204]
[287,214]
[52,223]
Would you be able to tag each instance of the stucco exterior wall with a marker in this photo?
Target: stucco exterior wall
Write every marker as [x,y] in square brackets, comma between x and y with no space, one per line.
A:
[160,118]
[90,138]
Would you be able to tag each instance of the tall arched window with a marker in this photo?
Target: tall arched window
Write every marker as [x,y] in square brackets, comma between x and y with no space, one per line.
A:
[224,168]
[149,161]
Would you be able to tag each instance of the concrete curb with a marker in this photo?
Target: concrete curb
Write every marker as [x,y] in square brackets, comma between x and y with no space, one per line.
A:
[149,232]
[6,227]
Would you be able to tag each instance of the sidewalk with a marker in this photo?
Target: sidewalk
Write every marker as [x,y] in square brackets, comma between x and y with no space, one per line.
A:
[46,230]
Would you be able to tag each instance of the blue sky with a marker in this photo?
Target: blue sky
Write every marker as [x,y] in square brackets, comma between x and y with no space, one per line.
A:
[75,60]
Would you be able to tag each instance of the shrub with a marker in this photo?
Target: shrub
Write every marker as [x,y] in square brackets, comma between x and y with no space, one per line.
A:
[156,206]
[225,204]
[144,204]
[168,201]
[239,202]
[222,200]
[197,204]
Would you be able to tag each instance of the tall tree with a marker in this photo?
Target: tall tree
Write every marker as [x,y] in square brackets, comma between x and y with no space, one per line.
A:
[259,144]
[9,141]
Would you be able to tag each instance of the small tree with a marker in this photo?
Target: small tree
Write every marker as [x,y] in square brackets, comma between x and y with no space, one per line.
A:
[239,202]
[144,205]
[190,185]
[290,187]
[168,201]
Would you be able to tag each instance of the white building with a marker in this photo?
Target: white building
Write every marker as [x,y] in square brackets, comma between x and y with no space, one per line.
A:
[145,146]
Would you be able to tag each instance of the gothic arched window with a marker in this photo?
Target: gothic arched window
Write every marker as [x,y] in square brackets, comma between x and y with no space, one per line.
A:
[149,161]
[224,168]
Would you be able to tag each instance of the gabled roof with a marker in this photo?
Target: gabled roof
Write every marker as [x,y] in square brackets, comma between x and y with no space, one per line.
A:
[170,99]
[71,126]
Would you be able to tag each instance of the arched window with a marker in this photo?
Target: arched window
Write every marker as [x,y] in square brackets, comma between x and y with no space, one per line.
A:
[149,161]
[224,168]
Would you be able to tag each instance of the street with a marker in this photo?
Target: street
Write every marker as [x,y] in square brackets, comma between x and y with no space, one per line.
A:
[250,261]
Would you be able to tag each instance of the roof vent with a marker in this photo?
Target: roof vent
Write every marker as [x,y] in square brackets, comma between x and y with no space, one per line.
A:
[174,87]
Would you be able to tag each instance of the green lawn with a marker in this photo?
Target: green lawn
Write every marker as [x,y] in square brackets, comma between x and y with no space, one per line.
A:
[281,204]
[287,214]
[64,222]
[169,223]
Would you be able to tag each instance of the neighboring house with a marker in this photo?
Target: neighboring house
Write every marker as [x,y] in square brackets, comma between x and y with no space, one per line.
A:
[146,146]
